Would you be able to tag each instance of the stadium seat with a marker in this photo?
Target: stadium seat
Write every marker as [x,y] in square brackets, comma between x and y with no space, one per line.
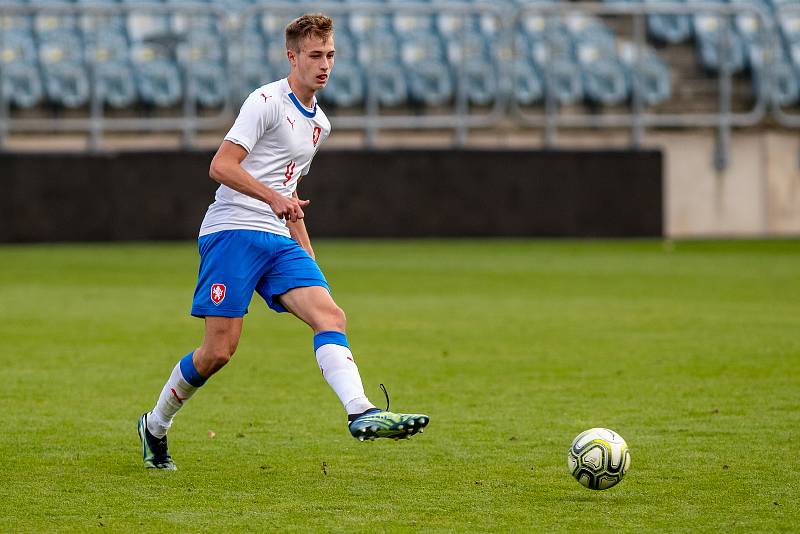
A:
[158,80]
[115,84]
[789,21]
[209,84]
[16,23]
[711,48]
[527,83]
[421,47]
[651,76]
[346,89]
[604,81]
[90,24]
[66,84]
[60,46]
[782,86]
[470,46]
[389,83]
[480,79]
[429,83]
[47,22]
[378,48]
[668,27]
[18,46]
[362,24]
[565,80]
[22,84]
[143,24]
[247,55]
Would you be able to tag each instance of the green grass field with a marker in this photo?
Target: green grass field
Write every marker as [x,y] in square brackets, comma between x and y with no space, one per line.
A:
[690,350]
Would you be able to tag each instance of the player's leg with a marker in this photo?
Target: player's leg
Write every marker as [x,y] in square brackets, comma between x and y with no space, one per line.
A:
[188,375]
[229,270]
[314,306]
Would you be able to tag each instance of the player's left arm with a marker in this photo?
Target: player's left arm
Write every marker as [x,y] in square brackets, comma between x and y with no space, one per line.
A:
[299,233]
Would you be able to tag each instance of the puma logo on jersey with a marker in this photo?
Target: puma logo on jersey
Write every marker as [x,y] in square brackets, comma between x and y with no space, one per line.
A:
[265,97]
[291,121]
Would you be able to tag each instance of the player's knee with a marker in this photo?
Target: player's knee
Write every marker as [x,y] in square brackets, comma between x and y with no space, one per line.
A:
[219,357]
[337,319]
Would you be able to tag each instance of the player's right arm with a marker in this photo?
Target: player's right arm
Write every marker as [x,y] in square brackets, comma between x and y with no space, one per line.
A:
[226,169]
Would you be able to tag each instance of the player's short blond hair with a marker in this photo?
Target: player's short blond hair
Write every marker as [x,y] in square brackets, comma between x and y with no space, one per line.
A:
[310,25]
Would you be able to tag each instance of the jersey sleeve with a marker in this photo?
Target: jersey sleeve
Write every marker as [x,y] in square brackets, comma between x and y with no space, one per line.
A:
[258,114]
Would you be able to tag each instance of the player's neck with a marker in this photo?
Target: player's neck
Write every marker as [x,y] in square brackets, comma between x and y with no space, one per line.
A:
[304,95]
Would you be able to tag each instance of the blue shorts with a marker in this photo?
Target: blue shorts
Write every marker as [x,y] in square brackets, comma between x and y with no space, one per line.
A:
[234,263]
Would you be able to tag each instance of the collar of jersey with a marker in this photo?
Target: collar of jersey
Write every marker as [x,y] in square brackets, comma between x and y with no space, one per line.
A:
[301,108]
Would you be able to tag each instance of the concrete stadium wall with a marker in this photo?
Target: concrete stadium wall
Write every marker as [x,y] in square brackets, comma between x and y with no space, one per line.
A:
[383,193]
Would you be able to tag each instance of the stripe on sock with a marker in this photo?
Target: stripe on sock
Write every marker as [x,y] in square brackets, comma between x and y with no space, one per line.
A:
[330,337]
[190,373]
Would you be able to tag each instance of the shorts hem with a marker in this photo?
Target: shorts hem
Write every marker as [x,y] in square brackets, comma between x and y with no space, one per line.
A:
[275,304]
[216,312]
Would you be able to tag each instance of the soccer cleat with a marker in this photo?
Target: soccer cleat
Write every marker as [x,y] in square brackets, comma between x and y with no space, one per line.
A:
[154,450]
[377,423]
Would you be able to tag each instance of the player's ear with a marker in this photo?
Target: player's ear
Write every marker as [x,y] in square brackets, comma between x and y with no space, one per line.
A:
[290,55]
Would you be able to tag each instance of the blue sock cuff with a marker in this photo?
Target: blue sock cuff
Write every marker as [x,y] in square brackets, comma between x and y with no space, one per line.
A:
[330,338]
[190,373]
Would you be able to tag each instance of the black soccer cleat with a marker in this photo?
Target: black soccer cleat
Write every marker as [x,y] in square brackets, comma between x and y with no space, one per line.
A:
[154,450]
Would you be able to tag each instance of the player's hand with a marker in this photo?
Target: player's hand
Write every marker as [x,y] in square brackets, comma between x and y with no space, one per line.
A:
[288,208]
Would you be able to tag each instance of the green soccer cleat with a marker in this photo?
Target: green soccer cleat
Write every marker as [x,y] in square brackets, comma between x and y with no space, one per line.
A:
[377,423]
[154,450]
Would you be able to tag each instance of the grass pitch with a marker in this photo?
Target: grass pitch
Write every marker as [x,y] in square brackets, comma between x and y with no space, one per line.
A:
[690,351]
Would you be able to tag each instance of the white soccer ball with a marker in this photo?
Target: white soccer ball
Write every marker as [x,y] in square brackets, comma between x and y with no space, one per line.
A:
[598,458]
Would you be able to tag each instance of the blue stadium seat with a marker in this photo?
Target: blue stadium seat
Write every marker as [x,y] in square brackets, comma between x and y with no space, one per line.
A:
[346,89]
[16,23]
[47,22]
[421,47]
[66,84]
[527,83]
[668,27]
[782,86]
[711,49]
[60,46]
[143,24]
[22,84]
[115,84]
[481,80]
[408,23]
[362,24]
[209,84]
[789,22]
[379,48]
[565,80]
[158,80]
[274,23]
[389,83]
[193,22]
[248,54]
[604,81]
[429,83]
[18,46]
[470,46]
[651,75]
[90,24]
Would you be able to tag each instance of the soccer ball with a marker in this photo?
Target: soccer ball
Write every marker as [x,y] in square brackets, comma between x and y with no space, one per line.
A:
[598,458]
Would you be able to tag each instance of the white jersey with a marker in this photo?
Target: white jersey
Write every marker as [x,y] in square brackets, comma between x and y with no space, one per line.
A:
[281,137]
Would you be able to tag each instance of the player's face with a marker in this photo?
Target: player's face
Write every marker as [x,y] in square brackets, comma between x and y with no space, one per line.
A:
[312,65]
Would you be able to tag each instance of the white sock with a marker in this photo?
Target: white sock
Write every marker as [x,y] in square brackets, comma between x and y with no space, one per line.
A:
[180,387]
[340,371]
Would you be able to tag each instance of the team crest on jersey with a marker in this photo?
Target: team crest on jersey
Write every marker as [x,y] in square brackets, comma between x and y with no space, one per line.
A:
[217,293]
[315,135]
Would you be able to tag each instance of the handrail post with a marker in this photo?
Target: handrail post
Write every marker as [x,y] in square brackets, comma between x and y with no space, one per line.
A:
[722,147]
[637,128]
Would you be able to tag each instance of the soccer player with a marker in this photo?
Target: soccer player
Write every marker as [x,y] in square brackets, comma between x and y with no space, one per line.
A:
[253,238]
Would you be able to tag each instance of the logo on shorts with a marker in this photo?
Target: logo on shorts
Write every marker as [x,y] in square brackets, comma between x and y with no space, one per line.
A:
[217,293]
[315,135]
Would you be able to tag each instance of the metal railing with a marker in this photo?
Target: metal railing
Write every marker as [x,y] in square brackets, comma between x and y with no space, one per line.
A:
[460,116]
[784,118]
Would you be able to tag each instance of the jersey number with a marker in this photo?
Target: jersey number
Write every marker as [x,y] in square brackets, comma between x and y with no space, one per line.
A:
[289,172]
